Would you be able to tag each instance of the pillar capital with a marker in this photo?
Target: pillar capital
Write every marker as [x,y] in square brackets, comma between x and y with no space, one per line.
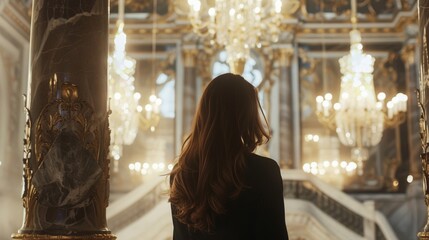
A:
[408,53]
[285,52]
[189,55]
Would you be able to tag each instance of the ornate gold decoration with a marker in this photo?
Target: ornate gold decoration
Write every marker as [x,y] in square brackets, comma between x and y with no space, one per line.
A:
[143,6]
[63,113]
[425,159]
[423,235]
[190,57]
[47,237]
[205,61]
[269,60]
[60,113]
[370,9]
[105,156]
[28,173]
[285,55]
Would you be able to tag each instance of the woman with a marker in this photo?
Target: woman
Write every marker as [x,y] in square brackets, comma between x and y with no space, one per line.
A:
[219,188]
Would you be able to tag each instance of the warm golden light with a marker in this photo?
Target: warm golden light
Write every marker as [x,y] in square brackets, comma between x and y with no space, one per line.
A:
[146,169]
[410,178]
[124,101]
[239,25]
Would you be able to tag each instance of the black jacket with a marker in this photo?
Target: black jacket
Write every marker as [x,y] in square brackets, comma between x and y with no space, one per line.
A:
[257,214]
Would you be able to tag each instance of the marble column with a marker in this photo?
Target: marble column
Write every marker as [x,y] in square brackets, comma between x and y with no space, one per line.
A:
[411,81]
[66,165]
[285,107]
[423,19]
[189,89]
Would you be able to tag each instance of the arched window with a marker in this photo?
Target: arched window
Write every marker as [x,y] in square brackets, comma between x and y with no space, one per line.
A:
[253,71]
[165,88]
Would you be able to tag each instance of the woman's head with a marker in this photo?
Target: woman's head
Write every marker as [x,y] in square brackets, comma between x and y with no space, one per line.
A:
[210,169]
[230,107]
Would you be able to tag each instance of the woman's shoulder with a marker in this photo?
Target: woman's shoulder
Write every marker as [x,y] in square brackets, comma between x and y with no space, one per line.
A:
[261,163]
[258,159]
[263,172]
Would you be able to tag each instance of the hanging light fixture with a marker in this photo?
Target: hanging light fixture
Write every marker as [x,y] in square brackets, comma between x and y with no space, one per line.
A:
[359,117]
[239,25]
[123,98]
[151,111]
[329,166]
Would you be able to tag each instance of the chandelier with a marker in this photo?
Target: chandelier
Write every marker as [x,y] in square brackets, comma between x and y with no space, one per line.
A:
[359,117]
[239,25]
[124,100]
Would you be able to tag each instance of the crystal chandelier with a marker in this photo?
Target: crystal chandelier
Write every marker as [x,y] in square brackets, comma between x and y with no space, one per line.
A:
[359,117]
[124,100]
[239,25]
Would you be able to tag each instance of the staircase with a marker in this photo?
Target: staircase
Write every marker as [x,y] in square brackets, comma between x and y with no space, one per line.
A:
[314,210]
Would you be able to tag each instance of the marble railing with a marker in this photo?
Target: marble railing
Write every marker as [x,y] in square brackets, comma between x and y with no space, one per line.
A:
[305,190]
[347,211]
[297,185]
[136,203]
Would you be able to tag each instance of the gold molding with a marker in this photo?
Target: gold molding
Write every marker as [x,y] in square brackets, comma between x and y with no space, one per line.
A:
[285,56]
[190,57]
[408,54]
[344,27]
[423,235]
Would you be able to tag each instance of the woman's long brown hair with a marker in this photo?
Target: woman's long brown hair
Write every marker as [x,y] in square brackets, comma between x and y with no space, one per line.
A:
[210,168]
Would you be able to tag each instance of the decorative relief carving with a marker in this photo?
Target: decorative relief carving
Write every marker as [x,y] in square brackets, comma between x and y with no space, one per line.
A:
[424,234]
[28,173]
[71,171]
[164,7]
[105,157]
[66,140]
[369,10]
[65,111]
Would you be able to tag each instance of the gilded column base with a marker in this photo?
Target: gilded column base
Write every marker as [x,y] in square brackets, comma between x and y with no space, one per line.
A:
[423,235]
[26,236]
